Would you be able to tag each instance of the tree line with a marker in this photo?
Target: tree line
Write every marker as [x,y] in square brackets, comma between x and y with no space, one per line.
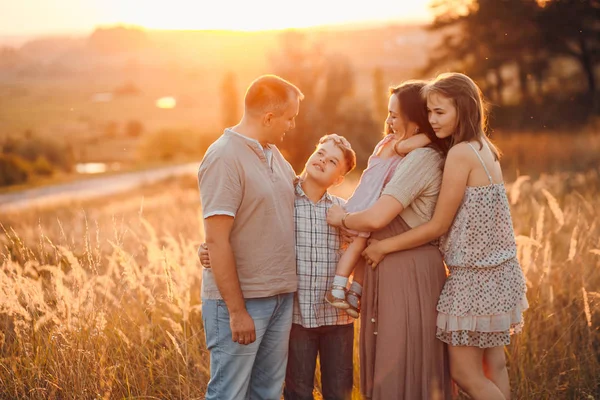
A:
[536,61]
[534,53]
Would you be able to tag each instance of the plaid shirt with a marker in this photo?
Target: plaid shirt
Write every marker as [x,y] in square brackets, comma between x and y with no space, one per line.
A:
[317,255]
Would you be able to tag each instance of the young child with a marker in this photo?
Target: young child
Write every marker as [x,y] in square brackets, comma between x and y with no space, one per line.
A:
[381,166]
[318,328]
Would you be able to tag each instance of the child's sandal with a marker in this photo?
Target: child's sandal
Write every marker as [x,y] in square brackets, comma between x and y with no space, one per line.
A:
[352,311]
[336,302]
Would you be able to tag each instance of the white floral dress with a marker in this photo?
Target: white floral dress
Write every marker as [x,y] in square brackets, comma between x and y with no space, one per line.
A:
[484,297]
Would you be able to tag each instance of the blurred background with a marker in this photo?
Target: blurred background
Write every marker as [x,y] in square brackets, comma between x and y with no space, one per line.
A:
[107,107]
[94,86]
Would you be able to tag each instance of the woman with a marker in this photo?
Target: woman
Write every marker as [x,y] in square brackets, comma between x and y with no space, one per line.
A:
[400,358]
[484,297]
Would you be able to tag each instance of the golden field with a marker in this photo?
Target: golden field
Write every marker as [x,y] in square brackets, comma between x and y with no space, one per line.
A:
[101,299]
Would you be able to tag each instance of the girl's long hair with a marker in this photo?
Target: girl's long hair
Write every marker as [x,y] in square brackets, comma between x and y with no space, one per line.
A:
[471,109]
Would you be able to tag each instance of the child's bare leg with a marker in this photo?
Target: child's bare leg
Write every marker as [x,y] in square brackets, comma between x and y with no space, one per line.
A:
[359,273]
[337,295]
[351,256]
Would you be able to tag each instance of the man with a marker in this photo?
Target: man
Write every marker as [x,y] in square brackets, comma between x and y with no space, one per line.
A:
[247,195]
[318,328]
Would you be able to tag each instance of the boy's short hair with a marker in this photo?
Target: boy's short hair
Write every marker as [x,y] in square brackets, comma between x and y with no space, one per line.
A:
[270,93]
[344,145]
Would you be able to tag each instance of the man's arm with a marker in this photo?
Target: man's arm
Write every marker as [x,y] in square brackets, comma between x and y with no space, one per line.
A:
[221,194]
[218,231]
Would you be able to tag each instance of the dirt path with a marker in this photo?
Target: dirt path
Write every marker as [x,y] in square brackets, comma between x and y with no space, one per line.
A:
[89,188]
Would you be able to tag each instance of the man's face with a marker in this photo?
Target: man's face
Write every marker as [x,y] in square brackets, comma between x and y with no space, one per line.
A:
[327,164]
[282,124]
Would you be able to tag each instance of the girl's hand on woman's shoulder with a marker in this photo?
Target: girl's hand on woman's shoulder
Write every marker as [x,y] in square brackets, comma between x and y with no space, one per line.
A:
[374,253]
[405,146]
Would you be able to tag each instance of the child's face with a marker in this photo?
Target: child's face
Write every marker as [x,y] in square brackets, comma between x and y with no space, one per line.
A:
[326,165]
[442,115]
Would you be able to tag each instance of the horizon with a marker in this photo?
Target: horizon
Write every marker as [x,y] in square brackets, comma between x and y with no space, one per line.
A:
[17,40]
[82,17]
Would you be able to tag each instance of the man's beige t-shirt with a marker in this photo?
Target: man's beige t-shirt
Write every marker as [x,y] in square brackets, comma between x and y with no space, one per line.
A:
[236,178]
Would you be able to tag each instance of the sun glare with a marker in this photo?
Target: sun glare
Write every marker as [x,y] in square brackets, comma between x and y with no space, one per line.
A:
[238,15]
[166,102]
[262,14]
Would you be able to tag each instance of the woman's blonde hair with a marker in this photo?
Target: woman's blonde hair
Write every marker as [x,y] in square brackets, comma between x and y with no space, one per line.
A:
[471,109]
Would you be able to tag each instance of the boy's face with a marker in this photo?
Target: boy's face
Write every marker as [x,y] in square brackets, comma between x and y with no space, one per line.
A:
[326,165]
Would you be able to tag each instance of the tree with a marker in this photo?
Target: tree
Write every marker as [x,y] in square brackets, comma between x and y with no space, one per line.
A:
[572,28]
[485,37]
[134,128]
[13,170]
[230,108]
[327,81]
[30,147]
[380,97]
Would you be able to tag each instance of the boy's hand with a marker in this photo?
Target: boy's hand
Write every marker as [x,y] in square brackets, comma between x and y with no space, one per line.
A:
[374,253]
[203,255]
[335,214]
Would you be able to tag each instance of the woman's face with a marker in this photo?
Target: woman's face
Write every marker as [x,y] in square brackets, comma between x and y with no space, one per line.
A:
[395,119]
[442,115]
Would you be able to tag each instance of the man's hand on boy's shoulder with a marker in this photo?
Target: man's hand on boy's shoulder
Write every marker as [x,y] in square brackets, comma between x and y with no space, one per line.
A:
[346,237]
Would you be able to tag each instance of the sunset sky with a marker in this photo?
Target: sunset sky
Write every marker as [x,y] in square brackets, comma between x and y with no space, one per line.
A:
[32,17]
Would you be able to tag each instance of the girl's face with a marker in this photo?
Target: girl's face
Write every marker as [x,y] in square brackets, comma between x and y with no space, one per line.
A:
[442,115]
[395,120]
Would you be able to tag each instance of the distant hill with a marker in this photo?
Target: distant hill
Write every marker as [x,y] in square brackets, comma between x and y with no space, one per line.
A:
[386,46]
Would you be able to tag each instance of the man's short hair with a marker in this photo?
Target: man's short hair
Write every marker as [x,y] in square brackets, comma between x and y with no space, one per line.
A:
[270,93]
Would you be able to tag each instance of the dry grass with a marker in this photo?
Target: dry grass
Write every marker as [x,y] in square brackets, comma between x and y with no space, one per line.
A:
[539,153]
[101,300]
[103,303]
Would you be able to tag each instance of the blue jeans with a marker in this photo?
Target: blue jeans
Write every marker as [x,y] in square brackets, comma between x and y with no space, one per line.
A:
[248,372]
[334,344]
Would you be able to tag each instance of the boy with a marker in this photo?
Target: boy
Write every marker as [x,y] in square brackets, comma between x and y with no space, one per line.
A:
[318,327]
